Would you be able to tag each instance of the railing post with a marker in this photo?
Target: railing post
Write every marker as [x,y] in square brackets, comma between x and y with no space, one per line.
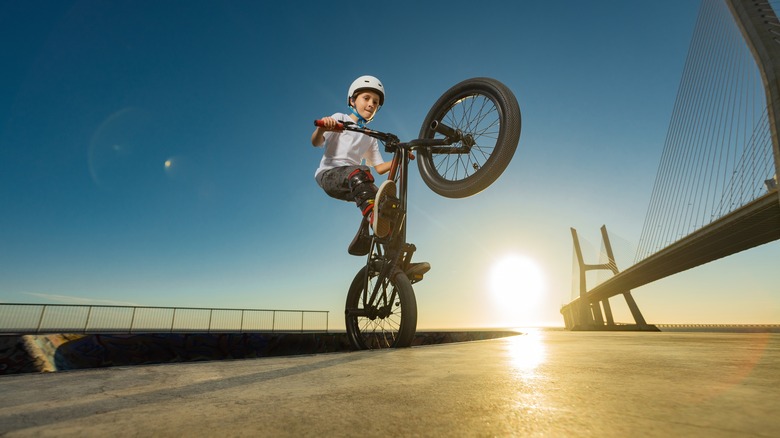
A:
[173,320]
[86,323]
[40,319]
[273,322]
[132,319]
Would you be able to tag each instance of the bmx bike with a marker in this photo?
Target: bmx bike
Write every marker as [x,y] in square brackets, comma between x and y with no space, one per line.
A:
[466,142]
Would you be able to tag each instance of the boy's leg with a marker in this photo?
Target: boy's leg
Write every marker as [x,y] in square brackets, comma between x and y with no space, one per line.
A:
[362,189]
[355,183]
[361,243]
[335,182]
[352,183]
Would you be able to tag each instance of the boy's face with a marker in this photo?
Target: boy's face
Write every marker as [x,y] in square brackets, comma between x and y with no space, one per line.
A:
[366,103]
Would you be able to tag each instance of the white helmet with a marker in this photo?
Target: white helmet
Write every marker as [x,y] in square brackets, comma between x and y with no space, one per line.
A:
[367,83]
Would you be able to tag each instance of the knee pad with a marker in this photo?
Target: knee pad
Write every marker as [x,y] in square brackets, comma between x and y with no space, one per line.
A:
[359,176]
[361,185]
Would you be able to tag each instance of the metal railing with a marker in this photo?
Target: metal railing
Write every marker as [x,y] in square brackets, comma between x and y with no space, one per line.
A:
[65,318]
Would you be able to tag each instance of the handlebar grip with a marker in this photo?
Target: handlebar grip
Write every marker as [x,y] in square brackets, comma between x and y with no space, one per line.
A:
[321,124]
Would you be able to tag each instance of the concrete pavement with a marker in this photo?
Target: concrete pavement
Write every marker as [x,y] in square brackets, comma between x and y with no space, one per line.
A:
[543,383]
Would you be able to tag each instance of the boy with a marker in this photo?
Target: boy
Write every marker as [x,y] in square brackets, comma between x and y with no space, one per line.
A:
[341,172]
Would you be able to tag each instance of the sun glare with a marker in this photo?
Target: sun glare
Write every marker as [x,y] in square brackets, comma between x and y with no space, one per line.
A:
[517,283]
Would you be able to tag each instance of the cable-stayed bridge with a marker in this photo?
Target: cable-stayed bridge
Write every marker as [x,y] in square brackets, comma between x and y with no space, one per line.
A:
[715,192]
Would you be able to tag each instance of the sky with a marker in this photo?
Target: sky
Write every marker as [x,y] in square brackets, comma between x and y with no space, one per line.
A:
[158,154]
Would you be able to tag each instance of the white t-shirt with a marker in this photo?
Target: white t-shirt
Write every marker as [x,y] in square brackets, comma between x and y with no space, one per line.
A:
[347,148]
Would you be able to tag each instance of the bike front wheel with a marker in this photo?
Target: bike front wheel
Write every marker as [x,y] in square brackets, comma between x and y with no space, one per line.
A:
[390,321]
[487,114]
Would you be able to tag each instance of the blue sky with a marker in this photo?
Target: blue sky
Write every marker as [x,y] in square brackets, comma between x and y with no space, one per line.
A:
[96,97]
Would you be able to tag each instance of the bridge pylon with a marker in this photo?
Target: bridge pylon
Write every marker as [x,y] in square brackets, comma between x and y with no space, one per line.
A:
[587,313]
[758,22]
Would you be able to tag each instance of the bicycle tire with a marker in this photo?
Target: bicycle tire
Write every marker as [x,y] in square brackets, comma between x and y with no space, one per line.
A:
[395,329]
[487,110]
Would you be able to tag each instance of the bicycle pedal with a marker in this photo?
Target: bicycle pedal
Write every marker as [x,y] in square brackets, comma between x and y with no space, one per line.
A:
[417,271]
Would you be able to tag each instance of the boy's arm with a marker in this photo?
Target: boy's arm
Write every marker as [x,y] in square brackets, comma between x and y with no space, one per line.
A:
[383,168]
[318,137]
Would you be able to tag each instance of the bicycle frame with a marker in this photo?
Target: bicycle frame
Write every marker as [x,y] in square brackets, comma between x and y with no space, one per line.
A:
[394,251]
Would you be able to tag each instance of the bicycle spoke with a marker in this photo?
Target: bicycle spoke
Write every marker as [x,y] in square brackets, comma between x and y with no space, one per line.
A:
[478,116]
[381,322]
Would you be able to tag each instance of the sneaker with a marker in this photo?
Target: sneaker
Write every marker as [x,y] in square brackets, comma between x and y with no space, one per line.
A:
[361,244]
[380,220]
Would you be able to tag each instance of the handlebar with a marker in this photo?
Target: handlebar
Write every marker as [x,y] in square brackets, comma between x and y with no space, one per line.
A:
[392,142]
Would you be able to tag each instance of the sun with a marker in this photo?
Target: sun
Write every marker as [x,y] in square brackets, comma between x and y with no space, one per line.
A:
[516,284]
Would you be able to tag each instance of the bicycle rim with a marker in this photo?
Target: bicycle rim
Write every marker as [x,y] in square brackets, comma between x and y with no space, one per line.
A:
[488,112]
[391,321]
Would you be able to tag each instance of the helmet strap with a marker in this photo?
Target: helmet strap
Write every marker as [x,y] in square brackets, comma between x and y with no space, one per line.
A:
[361,121]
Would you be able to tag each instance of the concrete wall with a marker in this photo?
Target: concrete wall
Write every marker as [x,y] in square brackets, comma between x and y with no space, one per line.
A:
[62,352]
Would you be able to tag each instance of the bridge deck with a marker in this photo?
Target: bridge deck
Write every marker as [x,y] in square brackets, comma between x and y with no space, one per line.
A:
[752,225]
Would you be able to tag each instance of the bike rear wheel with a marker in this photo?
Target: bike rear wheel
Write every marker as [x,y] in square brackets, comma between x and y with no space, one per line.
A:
[389,323]
[487,112]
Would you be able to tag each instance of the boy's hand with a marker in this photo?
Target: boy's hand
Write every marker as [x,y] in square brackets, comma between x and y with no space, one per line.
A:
[324,124]
[330,124]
